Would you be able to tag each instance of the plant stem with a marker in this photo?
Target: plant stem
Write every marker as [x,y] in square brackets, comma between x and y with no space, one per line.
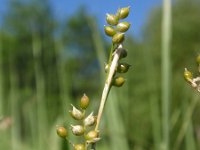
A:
[113,64]
[107,85]
[186,122]
[166,71]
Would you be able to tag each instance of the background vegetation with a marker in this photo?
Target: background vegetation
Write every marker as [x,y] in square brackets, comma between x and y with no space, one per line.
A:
[46,65]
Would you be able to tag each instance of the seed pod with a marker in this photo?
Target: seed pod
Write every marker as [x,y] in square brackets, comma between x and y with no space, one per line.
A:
[109,30]
[187,75]
[79,147]
[111,19]
[123,52]
[123,67]
[76,114]
[123,12]
[89,120]
[123,26]
[118,81]
[78,130]
[84,101]
[198,59]
[106,67]
[62,132]
[91,135]
[118,38]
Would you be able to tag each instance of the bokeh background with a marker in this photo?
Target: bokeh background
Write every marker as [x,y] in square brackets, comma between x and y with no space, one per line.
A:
[53,51]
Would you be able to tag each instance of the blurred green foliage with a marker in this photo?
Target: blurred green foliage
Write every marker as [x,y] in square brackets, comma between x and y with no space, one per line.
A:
[45,66]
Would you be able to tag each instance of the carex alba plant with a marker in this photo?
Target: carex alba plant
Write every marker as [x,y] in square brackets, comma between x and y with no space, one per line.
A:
[87,127]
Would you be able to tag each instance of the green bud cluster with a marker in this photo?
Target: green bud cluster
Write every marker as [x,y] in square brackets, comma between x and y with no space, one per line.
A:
[117,29]
[84,127]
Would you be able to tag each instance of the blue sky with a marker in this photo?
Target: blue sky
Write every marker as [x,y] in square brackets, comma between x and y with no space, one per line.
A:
[140,10]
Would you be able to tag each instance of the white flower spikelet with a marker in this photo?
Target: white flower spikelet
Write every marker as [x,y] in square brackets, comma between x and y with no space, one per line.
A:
[77,130]
[76,114]
[90,120]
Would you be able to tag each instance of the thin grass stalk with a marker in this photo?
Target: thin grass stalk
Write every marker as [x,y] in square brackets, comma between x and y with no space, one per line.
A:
[62,75]
[189,137]
[14,98]
[154,103]
[40,93]
[63,79]
[186,122]
[166,72]
[1,77]
[118,138]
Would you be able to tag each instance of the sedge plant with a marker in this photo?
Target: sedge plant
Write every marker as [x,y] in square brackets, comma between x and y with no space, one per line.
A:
[87,127]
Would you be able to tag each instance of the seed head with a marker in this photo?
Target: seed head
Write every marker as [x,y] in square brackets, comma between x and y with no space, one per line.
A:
[118,81]
[62,132]
[123,26]
[187,75]
[123,67]
[76,114]
[79,147]
[111,19]
[84,101]
[91,135]
[124,12]
[109,30]
[118,38]
[90,120]
[77,130]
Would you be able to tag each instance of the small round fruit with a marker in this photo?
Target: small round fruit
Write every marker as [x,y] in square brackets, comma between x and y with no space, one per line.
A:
[77,130]
[84,101]
[123,52]
[79,147]
[124,12]
[62,132]
[198,59]
[118,81]
[118,38]
[109,30]
[91,135]
[111,19]
[123,67]
[187,75]
[123,26]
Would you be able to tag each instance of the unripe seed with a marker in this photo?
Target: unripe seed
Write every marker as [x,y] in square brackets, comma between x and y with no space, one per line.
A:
[111,19]
[198,59]
[123,52]
[76,114]
[124,12]
[79,147]
[110,31]
[123,26]
[84,101]
[123,67]
[118,81]
[89,120]
[91,135]
[106,68]
[62,132]
[78,130]
[118,38]
[187,75]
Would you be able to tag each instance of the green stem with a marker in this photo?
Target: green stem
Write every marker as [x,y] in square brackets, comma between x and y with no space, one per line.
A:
[186,122]
[166,71]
